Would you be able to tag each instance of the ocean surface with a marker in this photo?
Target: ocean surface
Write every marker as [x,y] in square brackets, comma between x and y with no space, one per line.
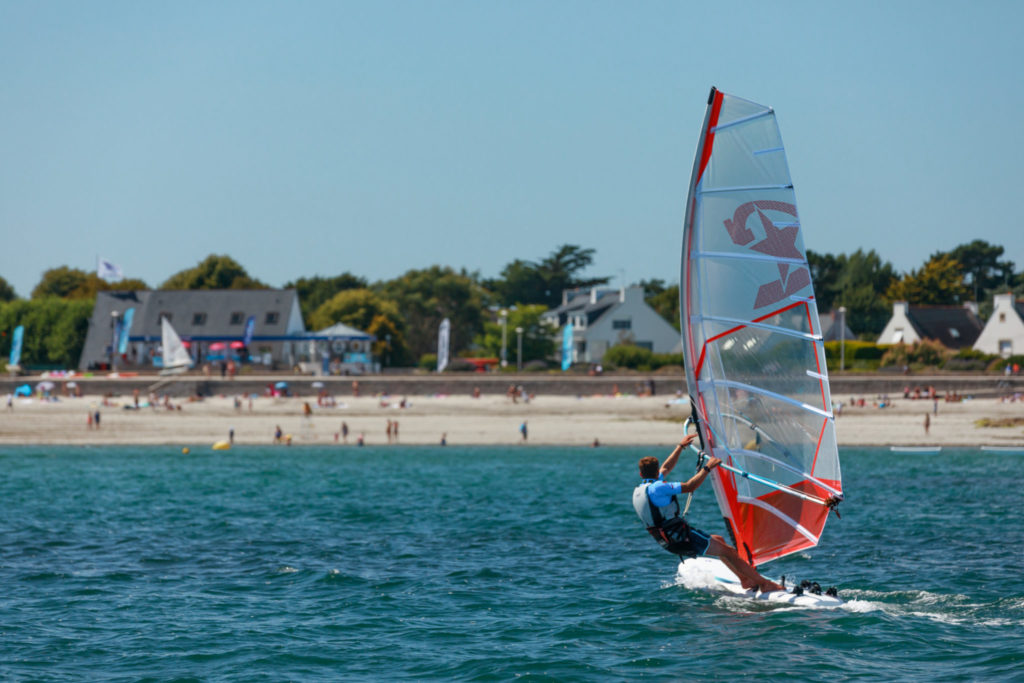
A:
[484,563]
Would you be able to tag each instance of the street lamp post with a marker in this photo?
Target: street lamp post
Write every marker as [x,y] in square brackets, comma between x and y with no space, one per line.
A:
[842,338]
[519,349]
[504,335]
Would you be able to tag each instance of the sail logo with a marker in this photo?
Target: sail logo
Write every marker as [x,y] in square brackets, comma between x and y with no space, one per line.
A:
[779,240]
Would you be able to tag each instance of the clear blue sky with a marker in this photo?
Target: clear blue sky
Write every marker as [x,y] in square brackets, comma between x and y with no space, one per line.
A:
[309,138]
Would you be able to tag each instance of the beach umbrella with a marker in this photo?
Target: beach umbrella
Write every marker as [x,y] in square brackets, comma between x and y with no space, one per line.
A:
[217,346]
[72,385]
[237,345]
[281,385]
[45,386]
[23,390]
[317,385]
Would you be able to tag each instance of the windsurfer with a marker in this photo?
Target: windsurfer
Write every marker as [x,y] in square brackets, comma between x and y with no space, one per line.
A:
[656,503]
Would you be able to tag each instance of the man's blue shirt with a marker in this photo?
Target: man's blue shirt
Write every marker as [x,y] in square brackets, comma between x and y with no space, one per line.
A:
[660,491]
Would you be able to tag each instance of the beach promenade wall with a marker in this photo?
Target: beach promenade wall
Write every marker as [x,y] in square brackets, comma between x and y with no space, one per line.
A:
[843,387]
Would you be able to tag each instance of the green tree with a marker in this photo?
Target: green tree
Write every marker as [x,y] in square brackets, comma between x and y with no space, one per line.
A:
[938,282]
[370,312]
[861,284]
[7,292]
[428,296]
[663,299]
[314,291]
[982,269]
[538,338]
[55,329]
[214,272]
[526,282]
[825,272]
[72,283]
[61,282]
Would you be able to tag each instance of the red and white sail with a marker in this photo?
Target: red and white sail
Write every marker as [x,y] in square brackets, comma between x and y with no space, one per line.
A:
[755,360]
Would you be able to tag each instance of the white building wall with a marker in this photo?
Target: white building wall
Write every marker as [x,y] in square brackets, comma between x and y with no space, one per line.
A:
[1004,331]
[899,329]
[646,327]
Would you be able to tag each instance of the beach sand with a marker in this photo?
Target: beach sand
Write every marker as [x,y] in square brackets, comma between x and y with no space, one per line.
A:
[489,420]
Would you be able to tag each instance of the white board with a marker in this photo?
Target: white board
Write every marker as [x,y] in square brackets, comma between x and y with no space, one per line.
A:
[709,574]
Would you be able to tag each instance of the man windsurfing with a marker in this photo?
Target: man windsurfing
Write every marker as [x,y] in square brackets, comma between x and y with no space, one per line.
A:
[655,502]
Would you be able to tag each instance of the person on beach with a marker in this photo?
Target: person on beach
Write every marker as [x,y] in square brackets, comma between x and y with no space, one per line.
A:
[655,502]
[522,430]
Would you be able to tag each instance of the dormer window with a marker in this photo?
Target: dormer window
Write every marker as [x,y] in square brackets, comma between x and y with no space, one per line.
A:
[954,333]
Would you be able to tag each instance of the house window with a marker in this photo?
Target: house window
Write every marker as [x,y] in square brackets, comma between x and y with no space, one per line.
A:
[645,345]
[897,336]
[198,319]
[237,318]
[622,324]
[1002,317]
[272,318]
[1005,348]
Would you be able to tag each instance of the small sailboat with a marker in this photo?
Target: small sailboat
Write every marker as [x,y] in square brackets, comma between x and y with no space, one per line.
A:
[752,341]
[176,358]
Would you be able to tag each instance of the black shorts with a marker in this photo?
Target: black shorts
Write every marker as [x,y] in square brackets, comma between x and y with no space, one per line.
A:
[682,539]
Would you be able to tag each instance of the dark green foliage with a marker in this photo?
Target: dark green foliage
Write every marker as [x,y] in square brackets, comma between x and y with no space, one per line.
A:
[73,283]
[664,300]
[528,282]
[314,291]
[857,281]
[428,296]
[7,292]
[55,329]
[214,272]
[639,358]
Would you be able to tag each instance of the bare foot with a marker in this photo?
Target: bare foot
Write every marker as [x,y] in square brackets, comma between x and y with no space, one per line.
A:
[769,586]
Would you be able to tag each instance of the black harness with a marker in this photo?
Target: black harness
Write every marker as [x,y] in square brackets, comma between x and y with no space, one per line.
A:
[672,534]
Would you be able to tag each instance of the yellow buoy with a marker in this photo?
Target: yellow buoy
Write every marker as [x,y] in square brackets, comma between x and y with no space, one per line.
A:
[185,451]
[221,446]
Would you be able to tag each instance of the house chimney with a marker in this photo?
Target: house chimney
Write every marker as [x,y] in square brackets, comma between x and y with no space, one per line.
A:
[565,296]
[593,295]
[900,307]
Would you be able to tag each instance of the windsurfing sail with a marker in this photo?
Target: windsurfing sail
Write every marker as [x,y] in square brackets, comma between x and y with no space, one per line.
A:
[755,359]
[176,358]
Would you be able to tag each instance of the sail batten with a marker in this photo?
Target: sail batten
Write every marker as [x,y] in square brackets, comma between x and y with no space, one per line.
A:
[752,340]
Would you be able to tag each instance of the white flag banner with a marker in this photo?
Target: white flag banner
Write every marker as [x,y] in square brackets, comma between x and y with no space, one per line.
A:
[443,337]
[108,271]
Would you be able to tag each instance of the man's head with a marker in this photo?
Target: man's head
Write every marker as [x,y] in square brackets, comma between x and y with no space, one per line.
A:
[649,467]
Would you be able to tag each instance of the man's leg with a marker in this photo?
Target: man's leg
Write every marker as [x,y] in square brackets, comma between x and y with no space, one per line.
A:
[749,578]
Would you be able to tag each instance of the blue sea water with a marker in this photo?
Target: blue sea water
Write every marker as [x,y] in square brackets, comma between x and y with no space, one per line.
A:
[415,563]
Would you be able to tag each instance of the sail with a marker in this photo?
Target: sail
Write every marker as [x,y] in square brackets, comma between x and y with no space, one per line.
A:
[175,356]
[443,343]
[755,360]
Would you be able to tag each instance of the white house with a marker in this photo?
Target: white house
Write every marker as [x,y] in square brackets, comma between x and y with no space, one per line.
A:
[602,318]
[1004,331]
[955,327]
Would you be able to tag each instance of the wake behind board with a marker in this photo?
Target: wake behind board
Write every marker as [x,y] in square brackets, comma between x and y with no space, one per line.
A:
[709,574]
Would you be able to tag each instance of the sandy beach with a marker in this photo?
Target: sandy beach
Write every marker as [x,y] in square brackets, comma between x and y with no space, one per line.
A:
[489,420]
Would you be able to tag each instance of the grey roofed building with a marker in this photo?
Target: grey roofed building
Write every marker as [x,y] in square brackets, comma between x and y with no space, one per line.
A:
[955,327]
[602,318]
[201,317]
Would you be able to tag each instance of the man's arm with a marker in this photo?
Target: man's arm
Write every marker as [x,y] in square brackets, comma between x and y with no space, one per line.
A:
[671,460]
[696,480]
